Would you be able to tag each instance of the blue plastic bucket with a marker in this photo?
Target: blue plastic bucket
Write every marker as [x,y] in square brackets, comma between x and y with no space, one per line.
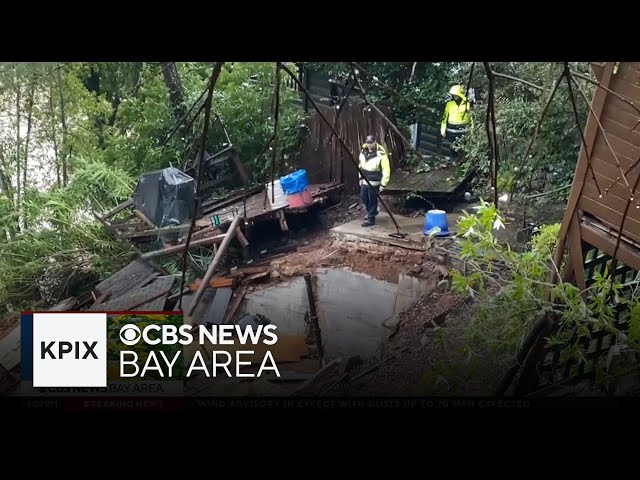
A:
[436,222]
[295,182]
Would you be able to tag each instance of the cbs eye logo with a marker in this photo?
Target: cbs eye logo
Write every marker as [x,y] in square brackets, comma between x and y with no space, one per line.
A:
[130,334]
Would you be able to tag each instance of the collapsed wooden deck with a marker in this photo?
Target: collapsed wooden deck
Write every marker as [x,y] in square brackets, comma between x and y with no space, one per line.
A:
[257,207]
[442,182]
[125,222]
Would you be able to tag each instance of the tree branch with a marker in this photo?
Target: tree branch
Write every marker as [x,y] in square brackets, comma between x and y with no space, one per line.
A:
[543,112]
[389,122]
[276,115]
[394,91]
[516,79]
[567,75]
[604,134]
[492,136]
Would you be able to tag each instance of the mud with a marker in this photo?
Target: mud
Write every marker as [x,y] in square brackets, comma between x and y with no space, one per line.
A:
[380,262]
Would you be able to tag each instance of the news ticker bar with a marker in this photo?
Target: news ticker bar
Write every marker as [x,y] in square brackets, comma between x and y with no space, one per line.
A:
[374,404]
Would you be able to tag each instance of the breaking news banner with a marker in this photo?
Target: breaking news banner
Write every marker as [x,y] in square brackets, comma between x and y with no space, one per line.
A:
[136,354]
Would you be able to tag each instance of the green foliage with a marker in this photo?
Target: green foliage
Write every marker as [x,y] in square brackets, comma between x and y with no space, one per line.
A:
[517,106]
[421,98]
[39,264]
[510,289]
[244,100]
[95,127]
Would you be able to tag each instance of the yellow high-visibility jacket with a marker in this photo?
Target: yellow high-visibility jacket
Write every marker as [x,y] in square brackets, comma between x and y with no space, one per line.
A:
[377,168]
[456,115]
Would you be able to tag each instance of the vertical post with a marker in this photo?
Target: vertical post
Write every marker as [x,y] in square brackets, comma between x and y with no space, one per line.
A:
[313,317]
[216,260]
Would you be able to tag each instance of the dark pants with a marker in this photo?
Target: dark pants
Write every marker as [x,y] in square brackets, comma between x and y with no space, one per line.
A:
[451,138]
[370,200]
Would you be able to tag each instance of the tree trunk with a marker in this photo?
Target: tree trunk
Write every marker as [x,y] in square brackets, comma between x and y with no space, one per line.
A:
[18,156]
[26,149]
[52,113]
[5,187]
[413,72]
[64,129]
[176,94]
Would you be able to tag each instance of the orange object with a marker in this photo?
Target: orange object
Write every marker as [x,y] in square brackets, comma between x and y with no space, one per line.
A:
[220,282]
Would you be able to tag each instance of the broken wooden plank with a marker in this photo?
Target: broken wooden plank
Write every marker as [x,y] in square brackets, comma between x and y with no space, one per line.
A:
[118,209]
[241,271]
[180,248]
[231,311]
[156,305]
[218,282]
[219,306]
[206,232]
[10,349]
[102,221]
[221,282]
[215,205]
[128,278]
[155,232]
[203,311]
[395,243]
[380,363]
[137,297]
[177,294]
[144,218]
[101,298]
[322,375]
[64,305]
[283,220]
[256,276]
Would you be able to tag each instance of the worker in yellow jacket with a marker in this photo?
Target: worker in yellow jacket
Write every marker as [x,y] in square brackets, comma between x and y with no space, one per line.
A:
[456,119]
[374,163]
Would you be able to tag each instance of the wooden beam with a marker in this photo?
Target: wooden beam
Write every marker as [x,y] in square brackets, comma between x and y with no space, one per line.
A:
[627,254]
[577,255]
[180,248]
[143,217]
[118,209]
[216,260]
[154,232]
[231,311]
[283,221]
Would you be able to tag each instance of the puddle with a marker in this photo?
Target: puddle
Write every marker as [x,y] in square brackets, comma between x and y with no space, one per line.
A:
[352,308]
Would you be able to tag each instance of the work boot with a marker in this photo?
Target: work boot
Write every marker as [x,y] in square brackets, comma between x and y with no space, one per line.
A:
[368,223]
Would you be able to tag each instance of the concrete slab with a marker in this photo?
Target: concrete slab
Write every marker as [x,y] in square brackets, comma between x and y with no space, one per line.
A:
[354,309]
[413,226]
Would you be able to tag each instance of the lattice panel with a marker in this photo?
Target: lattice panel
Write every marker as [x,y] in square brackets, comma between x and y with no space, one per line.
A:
[598,343]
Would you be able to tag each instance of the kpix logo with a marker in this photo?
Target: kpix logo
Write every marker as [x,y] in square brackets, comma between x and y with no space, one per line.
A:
[69,349]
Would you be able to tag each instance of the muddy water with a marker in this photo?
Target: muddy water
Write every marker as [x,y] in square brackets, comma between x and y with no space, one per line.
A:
[353,308]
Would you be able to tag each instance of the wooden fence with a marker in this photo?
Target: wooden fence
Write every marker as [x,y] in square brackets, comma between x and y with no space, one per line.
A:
[325,160]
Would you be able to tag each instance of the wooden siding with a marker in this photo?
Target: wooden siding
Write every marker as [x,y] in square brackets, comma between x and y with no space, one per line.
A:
[618,119]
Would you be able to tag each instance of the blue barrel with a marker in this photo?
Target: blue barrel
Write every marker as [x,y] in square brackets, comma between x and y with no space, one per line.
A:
[436,219]
[295,182]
